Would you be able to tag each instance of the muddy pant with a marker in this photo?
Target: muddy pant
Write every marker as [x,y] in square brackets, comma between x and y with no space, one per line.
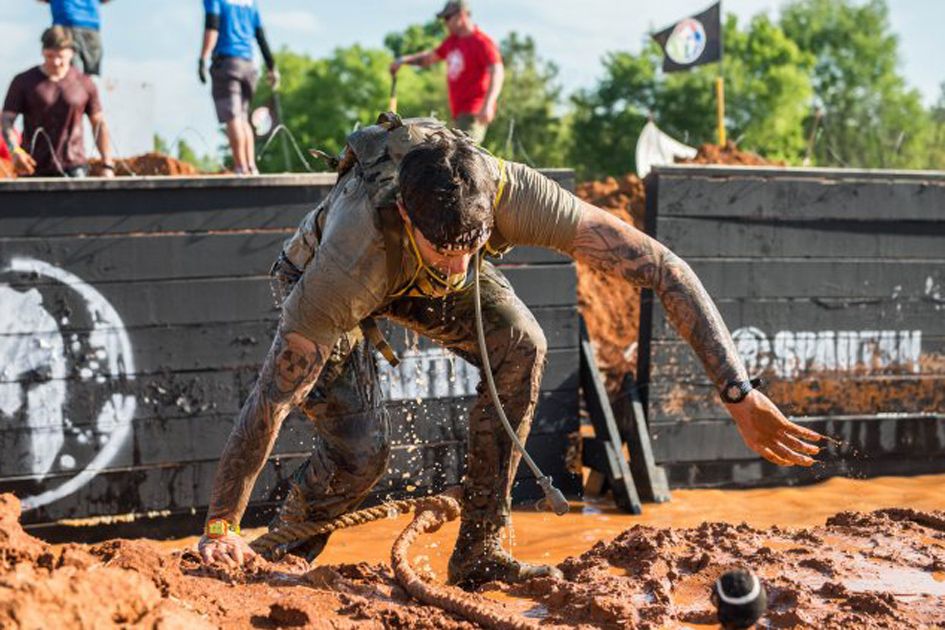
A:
[469,124]
[88,48]
[353,434]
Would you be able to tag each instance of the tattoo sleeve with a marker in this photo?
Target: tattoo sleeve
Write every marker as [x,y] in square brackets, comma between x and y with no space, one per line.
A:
[290,371]
[609,245]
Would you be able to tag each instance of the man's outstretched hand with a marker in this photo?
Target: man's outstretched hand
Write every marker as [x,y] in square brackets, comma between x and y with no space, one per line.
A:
[767,432]
[231,549]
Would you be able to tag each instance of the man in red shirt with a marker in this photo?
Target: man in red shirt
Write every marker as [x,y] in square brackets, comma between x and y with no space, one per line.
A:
[474,70]
[53,99]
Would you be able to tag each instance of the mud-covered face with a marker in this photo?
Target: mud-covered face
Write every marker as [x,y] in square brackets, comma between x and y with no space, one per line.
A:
[448,262]
[443,270]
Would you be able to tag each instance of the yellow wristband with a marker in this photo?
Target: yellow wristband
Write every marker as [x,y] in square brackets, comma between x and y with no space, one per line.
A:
[219,527]
[20,151]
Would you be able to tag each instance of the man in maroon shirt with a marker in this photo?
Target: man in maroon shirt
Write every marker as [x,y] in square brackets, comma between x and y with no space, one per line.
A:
[53,98]
[474,70]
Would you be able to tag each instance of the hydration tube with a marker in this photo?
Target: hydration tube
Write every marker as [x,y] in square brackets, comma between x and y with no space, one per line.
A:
[553,497]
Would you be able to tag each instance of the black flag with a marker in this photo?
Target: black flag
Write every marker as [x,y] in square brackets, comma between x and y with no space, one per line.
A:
[693,41]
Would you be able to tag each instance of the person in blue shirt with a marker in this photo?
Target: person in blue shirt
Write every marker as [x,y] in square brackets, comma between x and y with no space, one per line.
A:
[81,19]
[229,30]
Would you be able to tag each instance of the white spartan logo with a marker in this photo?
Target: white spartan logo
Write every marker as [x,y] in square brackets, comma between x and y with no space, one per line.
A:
[37,367]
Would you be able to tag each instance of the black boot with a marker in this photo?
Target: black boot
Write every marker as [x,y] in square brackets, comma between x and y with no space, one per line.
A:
[479,557]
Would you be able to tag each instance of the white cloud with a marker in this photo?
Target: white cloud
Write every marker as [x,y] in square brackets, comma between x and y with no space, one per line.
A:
[294,21]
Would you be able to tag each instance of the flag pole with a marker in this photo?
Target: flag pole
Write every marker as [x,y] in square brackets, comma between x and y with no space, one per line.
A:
[720,83]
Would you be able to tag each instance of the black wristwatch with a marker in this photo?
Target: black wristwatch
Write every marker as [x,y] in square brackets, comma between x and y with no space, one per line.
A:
[736,391]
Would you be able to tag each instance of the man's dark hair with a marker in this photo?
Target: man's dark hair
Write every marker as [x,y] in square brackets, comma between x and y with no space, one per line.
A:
[447,190]
[57,38]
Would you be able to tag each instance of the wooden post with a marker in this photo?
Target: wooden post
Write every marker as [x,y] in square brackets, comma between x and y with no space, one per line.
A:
[720,107]
[604,452]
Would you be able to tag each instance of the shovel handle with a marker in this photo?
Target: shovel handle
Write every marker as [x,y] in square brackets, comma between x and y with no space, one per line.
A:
[392,104]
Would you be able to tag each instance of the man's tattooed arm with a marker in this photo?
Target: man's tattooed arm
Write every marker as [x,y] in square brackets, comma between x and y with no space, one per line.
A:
[290,371]
[609,245]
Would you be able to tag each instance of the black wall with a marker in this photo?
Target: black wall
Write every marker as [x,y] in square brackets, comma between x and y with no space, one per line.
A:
[834,285]
[135,314]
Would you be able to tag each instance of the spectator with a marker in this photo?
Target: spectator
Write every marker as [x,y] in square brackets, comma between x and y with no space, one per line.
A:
[81,18]
[53,98]
[229,30]
[474,70]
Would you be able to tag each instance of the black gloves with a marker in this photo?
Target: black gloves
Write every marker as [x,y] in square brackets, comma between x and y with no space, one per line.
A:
[202,70]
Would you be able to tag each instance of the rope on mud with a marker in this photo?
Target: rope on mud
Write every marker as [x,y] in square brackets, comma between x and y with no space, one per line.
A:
[430,518]
[269,541]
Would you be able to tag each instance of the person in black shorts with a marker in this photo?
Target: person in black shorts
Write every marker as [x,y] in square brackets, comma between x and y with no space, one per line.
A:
[230,27]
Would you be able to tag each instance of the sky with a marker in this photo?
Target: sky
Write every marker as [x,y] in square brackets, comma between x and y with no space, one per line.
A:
[151,46]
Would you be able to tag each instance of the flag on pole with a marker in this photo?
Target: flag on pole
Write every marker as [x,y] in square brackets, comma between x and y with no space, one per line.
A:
[692,41]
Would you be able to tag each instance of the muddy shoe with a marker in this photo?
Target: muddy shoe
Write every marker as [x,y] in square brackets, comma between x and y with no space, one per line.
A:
[469,570]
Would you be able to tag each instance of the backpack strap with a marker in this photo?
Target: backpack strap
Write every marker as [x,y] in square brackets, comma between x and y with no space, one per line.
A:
[391,225]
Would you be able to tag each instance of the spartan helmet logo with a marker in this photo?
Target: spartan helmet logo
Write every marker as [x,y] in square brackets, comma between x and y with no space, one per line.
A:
[54,362]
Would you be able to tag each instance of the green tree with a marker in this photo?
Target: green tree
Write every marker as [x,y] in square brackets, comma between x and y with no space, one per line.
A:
[160,144]
[871,118]
[204,163]
[415,38]
[528,126]
[323,100]
[936,159]
[768,93]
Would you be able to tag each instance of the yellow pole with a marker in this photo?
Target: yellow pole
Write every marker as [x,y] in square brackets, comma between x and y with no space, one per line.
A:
[720,100]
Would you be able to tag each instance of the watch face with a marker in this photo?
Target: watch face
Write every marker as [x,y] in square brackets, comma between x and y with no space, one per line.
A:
[733,392]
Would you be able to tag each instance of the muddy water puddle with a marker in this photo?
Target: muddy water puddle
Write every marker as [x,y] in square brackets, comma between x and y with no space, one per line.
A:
[543,537]
[869,567]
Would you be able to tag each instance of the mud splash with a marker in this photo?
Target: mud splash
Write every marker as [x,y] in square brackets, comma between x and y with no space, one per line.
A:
[884,568]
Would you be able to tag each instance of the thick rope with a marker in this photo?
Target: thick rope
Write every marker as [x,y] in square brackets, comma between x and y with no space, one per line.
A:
[270,541]
[430,518]
[431,514]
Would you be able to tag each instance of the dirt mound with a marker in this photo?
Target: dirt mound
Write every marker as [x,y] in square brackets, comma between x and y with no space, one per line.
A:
[862,570]
[730,155]
[146,164]
[611,306]
[880,570]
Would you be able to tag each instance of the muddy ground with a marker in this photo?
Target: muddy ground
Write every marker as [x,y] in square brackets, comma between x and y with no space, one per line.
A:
[884,569]
[147,164]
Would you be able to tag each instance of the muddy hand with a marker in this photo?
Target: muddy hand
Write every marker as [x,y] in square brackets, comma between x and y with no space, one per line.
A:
[231,549]
[767,432]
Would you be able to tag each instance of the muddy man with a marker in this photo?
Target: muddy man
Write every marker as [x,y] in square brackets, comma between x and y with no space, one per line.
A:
[415,206]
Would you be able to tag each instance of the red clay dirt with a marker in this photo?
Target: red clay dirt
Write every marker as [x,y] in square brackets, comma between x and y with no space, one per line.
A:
[146,164]
[731,155]
[878,570]
[610,305]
